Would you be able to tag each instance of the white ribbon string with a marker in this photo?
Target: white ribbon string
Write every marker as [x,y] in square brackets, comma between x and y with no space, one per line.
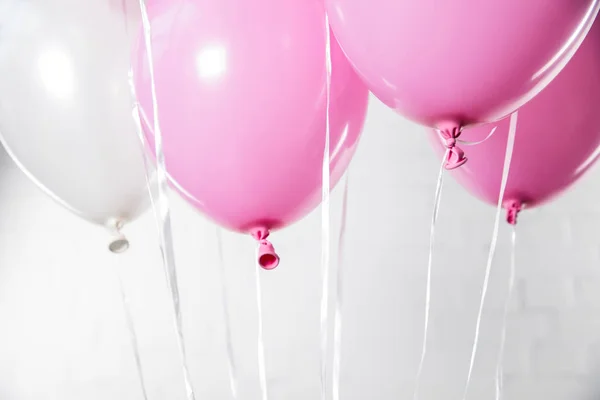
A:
[436,208]
[466,143]
[337,327]
[131,329]
[162,209]
[262,373]
[507,159]
[233,381]
[511,286]
[325,228]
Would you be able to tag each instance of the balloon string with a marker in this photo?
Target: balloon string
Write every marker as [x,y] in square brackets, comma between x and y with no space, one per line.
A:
[262,374]
[511,286]
[488,268]
[325,228]
[466,143]
[337,327]
[436,209]
[131,329]
[162,209]
[572,44]
[233,381]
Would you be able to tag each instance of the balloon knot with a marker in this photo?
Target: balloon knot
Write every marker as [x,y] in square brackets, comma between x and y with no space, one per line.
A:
[119,243]
[455,155]
[513,207]
[260,233]
[267,257]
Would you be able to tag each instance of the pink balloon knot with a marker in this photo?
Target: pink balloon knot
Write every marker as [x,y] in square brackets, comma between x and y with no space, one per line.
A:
[267,257]
[513,207]
[456,157]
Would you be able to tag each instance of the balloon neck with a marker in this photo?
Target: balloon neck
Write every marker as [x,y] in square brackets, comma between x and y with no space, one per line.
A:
[513,207]
[119,243]
[267,257]
[455,155]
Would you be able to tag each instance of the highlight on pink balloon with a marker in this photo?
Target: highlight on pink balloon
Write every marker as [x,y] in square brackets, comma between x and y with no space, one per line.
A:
[267,257]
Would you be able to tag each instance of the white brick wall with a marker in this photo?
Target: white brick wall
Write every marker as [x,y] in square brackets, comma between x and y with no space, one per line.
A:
[63,334]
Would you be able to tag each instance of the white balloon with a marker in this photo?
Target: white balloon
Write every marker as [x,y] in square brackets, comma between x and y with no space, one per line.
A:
[66,105]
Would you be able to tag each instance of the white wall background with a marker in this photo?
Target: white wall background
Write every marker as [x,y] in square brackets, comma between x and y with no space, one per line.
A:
[63,333]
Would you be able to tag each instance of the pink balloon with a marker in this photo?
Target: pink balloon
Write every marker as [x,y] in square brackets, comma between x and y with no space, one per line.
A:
[556,142]
[241,87]
[451,63]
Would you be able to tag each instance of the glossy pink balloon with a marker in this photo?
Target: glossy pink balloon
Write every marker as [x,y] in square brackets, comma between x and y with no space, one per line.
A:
[556,142]
[450,63]
[241,87]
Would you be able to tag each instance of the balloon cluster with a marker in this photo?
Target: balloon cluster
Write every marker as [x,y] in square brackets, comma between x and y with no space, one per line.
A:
[246,100]
[460,66]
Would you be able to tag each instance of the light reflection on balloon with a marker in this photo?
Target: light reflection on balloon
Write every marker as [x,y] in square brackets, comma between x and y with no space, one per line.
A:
[56,72]
[211,62]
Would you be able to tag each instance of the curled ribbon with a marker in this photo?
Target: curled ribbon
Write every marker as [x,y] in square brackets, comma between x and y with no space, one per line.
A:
[488,268]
